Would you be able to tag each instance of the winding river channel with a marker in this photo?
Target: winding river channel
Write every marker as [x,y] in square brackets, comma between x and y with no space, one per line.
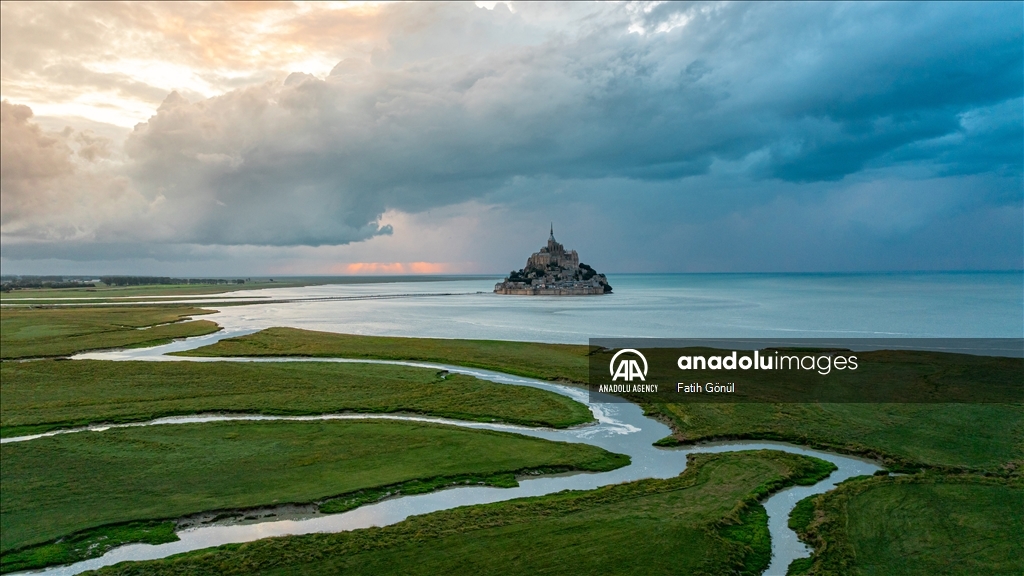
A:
[621,427]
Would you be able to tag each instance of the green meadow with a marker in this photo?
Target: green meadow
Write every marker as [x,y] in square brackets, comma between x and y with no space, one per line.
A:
[557,362]
[906,437]
[981,437]
[58,486]
[114,293]
[74,496]
[48,394]
[920,525]
[48,332]
[704,522]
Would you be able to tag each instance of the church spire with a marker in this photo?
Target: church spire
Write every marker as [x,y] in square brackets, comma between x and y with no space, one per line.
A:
[552,230]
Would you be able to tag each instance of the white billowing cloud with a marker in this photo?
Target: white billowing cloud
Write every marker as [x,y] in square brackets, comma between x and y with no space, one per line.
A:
[58,186]
[435,106]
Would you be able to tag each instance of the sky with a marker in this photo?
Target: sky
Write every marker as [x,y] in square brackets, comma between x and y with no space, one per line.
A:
[240,139]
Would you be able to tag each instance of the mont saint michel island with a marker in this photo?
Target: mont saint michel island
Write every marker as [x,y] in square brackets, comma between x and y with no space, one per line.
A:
[553,271]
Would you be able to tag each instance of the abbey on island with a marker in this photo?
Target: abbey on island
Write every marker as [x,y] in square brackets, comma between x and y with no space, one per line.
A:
[554,272]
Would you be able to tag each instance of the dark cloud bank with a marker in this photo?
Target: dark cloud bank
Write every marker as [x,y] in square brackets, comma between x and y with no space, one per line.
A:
[712,137]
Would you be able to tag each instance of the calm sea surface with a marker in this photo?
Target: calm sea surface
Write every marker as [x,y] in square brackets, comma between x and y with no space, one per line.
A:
[953,305]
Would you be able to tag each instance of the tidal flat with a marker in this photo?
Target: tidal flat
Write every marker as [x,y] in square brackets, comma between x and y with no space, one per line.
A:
[55,487]
[716,523]
[706,521]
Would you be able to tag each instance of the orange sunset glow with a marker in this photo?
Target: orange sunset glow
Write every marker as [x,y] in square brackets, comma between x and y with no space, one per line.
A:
[391,268]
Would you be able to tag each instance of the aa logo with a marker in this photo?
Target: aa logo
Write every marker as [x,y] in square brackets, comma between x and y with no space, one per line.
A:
[627,368]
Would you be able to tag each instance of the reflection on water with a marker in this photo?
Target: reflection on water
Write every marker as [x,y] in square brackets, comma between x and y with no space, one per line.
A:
[977,305]
[620,428]
[891,305]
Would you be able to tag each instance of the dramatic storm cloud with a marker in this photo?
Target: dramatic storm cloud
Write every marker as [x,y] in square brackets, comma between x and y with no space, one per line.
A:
[445,137]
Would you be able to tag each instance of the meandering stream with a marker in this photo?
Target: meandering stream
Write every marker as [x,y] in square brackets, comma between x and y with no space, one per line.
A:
[620,427]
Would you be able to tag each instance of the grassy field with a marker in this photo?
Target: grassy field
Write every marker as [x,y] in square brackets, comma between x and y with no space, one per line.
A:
[905,436]
[49,394]
[704,522]
[43,332]
[58,486]
[978,437]
[968,435]
[560,362]
[117,486]
[104,292]
[917,525]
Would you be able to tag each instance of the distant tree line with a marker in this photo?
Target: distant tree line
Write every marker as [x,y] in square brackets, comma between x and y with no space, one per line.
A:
[150,280]
[8,286]
[8,283]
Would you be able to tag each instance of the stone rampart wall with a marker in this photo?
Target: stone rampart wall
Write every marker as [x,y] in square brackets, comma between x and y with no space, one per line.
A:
[537,291]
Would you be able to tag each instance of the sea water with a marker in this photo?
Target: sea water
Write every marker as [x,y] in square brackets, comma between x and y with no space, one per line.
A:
[903,305]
